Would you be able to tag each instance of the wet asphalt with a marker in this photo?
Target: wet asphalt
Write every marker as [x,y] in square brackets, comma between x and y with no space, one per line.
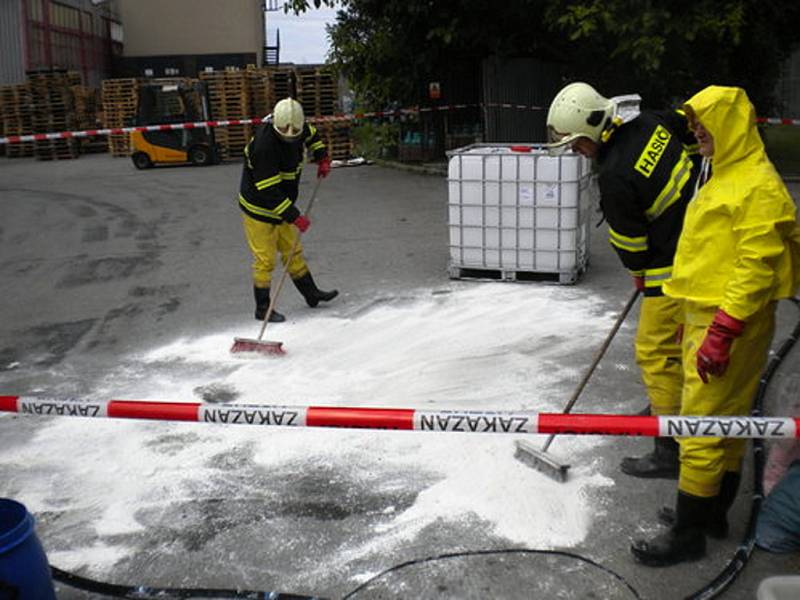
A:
[99,260]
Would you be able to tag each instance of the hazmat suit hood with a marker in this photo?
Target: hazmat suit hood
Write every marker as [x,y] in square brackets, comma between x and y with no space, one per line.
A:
[732,123]
[739,248]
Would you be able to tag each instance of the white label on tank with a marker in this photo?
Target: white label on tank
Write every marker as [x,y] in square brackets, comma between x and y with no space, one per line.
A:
[549,192]
[526,195]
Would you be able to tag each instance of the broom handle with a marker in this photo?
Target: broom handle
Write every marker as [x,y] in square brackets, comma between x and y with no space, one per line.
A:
[597,358]
[273,301]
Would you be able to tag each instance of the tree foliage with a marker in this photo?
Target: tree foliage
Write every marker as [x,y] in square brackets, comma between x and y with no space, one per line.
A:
[671,49]
[663,49]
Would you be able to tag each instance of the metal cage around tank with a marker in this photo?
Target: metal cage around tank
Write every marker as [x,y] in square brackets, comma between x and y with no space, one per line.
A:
[517,213]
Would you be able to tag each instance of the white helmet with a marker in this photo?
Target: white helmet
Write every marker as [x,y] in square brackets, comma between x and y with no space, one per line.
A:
[578,111]
[288,119]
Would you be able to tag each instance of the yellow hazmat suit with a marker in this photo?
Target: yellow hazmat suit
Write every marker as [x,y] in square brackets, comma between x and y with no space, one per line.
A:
[739,252]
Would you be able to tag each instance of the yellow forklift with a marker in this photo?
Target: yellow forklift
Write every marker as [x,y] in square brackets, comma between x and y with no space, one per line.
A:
[170,102]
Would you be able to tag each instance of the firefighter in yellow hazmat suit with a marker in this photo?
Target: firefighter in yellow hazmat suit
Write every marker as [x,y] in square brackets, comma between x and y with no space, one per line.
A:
[739,252]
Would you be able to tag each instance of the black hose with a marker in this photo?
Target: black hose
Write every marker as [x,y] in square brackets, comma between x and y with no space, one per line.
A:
[429,559]
[144,592]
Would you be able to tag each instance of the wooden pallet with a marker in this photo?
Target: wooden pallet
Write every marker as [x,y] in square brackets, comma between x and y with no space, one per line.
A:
[119,98]
[563,278]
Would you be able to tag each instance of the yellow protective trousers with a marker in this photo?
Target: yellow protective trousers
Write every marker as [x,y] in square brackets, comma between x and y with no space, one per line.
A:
[265,241]
[658,353]
[705,460]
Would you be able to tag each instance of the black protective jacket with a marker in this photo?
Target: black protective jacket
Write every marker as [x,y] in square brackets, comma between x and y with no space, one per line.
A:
[271,173]
[647,172]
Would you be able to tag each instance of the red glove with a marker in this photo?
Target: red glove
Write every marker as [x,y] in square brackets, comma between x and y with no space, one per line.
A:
[713,355]
[638,281]
[323,167]
[302,223]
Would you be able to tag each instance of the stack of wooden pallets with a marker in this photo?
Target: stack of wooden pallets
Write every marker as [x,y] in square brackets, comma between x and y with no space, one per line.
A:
[87,103]
[119,98]
[337,136]
[17,117]
[316,91]
[229,98]
[53,110]
[258,89]
[281,83]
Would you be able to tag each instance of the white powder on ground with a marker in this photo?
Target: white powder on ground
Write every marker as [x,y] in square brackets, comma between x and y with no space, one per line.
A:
[481,347]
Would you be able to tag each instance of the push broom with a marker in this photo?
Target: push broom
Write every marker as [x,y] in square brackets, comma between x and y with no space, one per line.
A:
[258,344]
[540,459]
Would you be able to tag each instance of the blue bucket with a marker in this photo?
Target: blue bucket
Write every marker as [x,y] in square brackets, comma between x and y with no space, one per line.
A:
[24,571]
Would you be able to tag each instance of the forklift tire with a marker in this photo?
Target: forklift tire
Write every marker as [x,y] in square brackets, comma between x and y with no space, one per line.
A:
[200,156]
[141,160]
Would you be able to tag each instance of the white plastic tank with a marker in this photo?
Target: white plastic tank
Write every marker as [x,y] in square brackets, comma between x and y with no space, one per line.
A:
[516,208]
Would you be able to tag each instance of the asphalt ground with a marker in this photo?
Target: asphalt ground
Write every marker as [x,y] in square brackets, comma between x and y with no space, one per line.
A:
[100,261]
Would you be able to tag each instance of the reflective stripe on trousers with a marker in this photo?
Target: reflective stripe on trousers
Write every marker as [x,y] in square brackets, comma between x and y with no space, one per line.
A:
[705,460]
[658,353]
[265,241]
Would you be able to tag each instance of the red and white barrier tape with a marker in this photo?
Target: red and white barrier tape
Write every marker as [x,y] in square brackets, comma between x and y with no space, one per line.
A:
[466,421]
[777,121]
[39,137]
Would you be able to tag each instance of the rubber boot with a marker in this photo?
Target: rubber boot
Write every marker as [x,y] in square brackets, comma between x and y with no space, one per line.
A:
[717,525]
[685,541]
[313,295]
[262,306]
[662,462]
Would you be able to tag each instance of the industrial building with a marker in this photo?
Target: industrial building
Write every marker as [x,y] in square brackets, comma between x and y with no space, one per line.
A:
[186,37]
[75,35]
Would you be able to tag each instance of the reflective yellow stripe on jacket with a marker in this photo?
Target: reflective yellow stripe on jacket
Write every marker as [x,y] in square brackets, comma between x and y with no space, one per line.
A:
[316,145]
[264,212]
[269,182]
[291,175]
[276,179]
[672,190]
[657,277]
[629,244]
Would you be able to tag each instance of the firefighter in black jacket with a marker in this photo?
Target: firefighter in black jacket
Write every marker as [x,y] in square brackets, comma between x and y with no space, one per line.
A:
[267,195]
[647,168]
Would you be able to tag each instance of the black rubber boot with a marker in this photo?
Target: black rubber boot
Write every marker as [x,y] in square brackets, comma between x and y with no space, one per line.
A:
[717,525]
[313,295]
[662,462]
[684,541]
[262,306]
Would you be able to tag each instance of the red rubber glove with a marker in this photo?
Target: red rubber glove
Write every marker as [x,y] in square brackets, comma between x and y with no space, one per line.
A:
[638,281]
[323,166]
[713,355]
[302,223]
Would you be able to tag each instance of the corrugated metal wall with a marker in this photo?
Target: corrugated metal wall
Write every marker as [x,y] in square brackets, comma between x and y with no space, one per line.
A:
[12,69]
[526,81]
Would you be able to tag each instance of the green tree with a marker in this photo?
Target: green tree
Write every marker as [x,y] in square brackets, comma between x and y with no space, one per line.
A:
[667,50]
[663,49]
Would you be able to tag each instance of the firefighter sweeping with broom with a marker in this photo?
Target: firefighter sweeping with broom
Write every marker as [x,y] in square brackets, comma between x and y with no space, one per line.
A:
[273,161]
[647,168]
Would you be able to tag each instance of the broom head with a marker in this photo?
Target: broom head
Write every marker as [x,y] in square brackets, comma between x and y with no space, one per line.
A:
[257,346]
